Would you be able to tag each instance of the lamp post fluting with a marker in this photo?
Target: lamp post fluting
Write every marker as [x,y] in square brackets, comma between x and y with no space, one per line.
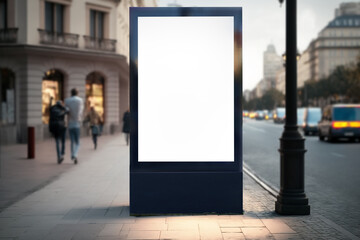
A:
[291,199]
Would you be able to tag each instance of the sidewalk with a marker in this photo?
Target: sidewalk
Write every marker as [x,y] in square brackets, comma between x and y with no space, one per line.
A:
[91,201]
[20,176]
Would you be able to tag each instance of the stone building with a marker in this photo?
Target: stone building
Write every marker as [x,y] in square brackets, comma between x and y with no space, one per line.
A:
[48,47]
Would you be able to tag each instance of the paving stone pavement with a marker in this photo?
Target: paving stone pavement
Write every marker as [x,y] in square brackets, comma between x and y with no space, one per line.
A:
[91,201]
[20,176]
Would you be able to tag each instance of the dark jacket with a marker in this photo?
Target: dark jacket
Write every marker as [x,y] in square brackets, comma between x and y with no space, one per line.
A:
[126,120]
[57,119]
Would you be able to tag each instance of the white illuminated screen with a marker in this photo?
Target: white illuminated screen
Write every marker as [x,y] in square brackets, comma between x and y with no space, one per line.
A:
[185,89]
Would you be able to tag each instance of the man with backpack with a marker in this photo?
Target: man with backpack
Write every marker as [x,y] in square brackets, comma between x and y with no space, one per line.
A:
[58,128]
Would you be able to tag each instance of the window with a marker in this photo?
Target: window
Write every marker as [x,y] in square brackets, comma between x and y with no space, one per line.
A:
[3,14]
[54,17]
[96,24]
[95,93]
[7,97]
[52,91]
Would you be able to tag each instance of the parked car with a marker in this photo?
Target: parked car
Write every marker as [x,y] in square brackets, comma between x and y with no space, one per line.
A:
[310,121]
[279,115]
[269,115]
[260,115]
[340,121]
[245,113]
[252,114]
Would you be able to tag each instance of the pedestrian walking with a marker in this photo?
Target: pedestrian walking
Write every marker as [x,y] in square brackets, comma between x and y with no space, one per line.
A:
[95,122]
[126,125]
[57,127]
[75,105]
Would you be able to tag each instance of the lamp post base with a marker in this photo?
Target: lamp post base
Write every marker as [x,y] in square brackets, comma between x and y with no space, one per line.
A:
[292,199]
[292,206]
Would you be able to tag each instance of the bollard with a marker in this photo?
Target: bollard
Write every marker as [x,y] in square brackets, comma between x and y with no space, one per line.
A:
[31,142]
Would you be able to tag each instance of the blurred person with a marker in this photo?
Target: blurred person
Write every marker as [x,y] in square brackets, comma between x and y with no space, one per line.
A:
[75,105]
[126,126]
[95,122]
[57,127]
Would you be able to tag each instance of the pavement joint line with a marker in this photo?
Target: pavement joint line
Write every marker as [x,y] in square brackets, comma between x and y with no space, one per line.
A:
[271,189]
[339,228]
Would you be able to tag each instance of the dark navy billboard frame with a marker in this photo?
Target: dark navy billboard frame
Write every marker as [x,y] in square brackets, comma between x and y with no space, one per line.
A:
[165,187]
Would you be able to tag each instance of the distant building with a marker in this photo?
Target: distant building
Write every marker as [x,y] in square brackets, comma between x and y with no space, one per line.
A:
[48,47]
[272,63]
[337,44]
[348,8]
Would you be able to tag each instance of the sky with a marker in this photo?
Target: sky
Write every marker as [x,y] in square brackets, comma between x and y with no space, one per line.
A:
[264,24]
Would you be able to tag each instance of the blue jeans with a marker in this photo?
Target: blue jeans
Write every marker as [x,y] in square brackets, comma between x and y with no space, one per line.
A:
[75,143]
[60,140]
[94,137]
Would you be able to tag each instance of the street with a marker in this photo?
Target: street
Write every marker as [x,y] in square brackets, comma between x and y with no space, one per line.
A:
[331,171]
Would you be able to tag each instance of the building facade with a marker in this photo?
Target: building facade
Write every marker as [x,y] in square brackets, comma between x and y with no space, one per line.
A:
[123,23]
[280,81]
[48,47]
[336,45]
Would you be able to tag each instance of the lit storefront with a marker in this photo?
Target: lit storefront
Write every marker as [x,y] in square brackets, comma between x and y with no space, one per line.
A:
[52,91]
[95,93]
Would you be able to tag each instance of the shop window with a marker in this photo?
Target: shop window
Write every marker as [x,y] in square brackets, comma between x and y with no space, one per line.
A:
[7,97]
[52,91]
[95,93]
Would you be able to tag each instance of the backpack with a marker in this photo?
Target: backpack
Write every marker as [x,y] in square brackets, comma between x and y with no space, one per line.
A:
[56,122]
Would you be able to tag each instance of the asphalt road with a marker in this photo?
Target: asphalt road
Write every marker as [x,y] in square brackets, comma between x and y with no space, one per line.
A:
[332,171]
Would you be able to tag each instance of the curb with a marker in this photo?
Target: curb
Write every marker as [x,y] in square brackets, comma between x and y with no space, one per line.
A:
[264,184]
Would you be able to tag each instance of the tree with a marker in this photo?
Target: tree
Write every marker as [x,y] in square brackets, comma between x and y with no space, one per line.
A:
[353,92]
[271,99]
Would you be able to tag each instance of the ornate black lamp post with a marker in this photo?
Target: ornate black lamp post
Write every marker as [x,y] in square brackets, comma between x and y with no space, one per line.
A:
[291,199]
